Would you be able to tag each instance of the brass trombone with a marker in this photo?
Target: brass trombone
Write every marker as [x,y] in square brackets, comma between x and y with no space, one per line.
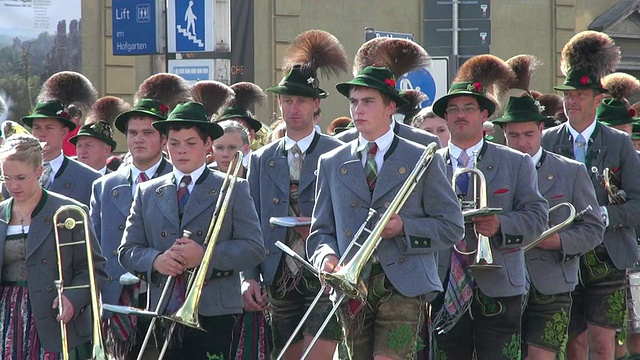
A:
[559,227]
[187,314]
[347,280]
[98,351]
[484,255]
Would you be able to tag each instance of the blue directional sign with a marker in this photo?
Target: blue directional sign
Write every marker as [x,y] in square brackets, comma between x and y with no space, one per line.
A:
[190,25]
[419,80]
[136,27]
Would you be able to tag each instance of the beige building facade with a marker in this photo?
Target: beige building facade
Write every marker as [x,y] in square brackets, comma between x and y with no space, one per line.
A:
[538,27]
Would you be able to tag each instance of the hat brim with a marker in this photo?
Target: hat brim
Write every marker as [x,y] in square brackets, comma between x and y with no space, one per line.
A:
[212,129]
[292,88]
[344,88]
[521,118]
[568,87]
[121,120]
[254,124]
[110,142]
[28,120]
[439,107]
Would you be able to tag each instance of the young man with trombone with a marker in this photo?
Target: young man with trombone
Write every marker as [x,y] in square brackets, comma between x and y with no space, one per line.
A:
[482,302]
[111,200]
[600,297]
[283,182]
[417,212]
[553,260]
[225,239]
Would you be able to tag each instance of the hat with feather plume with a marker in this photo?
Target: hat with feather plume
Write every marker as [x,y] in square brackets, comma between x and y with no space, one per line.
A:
[73,90]
[616,109]
[521,107]
[414,98]
[156,97]
[213,95]
[380,61]
[586,59]
[478,77]
[246,95]
[99,124]
[312,53]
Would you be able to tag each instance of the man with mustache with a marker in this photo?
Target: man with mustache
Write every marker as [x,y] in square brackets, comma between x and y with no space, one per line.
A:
[493,295]
[599,300]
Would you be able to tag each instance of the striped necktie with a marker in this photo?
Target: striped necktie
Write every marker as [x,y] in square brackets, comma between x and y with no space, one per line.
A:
[183,193]
[370,167]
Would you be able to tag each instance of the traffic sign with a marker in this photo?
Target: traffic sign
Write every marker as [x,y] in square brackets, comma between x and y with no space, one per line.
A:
[193,70]
[467,9]
[190,25]
[432,81]
[370,33]
[137,27]
[473,32]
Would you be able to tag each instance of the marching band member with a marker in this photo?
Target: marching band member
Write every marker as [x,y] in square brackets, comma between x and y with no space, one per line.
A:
[29,263]
[61,95]
[111,200]
[370,171]
[484,306]
[185,200]
[553,263]
[599,300]
[50,124]
[94,141]
[616,112]
[282,180]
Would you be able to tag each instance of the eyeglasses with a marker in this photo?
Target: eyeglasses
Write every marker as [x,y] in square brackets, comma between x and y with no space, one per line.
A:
[467,109]
[17,178]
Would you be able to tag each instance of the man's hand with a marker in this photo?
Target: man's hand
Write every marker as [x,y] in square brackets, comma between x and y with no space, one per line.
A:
[394,227]
[253,296]
[552,243]
[487,225]
[190,250]
[170,263]
[67,309]
[329,265]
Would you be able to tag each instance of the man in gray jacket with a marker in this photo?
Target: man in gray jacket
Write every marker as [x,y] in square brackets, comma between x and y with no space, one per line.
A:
[599,300]
[483,305]
[553,263]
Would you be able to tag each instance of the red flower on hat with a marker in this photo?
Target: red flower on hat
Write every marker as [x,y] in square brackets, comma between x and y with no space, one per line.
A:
[390,82]
[631,113]
[64,115]
[585,80]
[477,87]
[163,109]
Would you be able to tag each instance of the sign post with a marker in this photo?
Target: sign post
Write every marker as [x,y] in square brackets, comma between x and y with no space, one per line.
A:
[137,27]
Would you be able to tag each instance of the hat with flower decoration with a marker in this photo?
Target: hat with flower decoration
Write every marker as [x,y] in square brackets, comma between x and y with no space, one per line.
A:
[310,52]
[52,109]
[380,61]
[190,113]
[616,109]
[144,107]
[100,130]
[588,57]
[478,77]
